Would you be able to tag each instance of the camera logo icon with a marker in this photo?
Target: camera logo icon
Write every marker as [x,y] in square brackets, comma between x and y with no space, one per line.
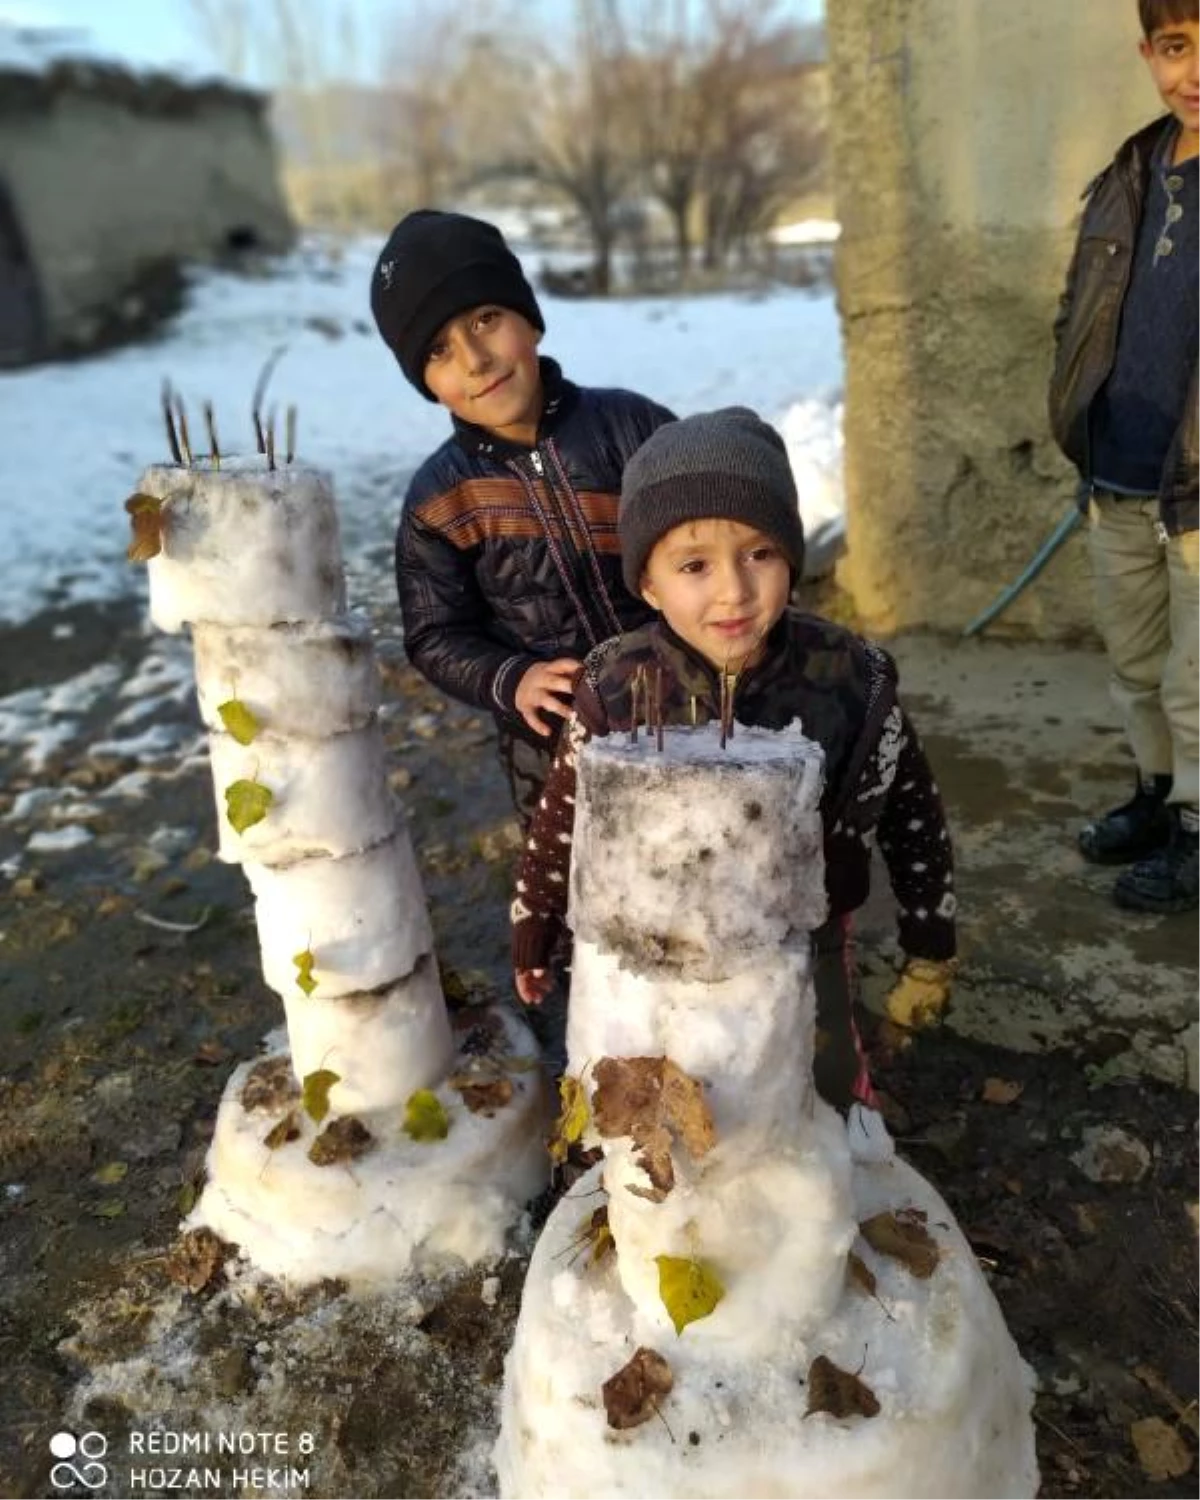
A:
[78,1460]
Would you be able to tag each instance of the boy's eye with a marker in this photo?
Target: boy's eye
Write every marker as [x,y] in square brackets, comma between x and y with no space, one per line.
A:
[761,554]
[693,565]
[487,316]
[437,351]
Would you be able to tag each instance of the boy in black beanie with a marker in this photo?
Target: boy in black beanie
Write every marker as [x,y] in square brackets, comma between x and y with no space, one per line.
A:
[711,537]
[507,556]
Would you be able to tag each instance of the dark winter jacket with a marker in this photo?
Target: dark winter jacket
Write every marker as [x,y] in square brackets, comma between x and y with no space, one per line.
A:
[507,555]
[878,783]
[1088,321]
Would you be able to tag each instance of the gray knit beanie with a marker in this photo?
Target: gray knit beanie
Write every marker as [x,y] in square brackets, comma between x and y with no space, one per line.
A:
[728,465]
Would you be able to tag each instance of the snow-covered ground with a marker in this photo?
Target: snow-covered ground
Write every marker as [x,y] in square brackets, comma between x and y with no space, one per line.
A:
[76,436]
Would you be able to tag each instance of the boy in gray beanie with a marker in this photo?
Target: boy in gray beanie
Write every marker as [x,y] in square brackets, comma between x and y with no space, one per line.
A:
[711,538]
[507,564]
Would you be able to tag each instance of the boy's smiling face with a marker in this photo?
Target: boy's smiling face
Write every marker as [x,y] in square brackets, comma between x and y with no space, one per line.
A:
[1172,53]
[720,586]
[483,366]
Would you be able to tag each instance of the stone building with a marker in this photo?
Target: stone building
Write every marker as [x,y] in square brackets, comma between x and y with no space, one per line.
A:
[963,136]
[110,181]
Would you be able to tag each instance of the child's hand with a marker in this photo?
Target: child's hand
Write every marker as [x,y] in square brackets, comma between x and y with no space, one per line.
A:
[546,688]
[920,996]
[533,985]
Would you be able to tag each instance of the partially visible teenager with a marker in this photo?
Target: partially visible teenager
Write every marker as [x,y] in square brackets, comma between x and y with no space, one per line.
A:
[1123,409]
[507,562]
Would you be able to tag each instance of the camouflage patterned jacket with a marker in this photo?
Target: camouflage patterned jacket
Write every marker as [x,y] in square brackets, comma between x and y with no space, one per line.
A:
[878,783]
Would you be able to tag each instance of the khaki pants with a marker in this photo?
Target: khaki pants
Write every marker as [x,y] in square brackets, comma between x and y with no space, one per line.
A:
[1147,594]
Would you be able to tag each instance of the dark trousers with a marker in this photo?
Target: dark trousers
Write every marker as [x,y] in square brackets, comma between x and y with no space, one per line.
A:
[839,1061]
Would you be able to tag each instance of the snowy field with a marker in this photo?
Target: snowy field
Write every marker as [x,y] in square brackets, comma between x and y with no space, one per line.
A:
[75,436]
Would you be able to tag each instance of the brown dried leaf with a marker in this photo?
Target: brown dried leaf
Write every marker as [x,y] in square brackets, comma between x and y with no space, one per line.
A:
[345,1139]
[483,1096]
[903,1236]
[599,1235]
[1161,1450]
[196,1258]
[145,515]
[651,1099]
[860,1274]
[288,1129]
[631,1396]
[838,1392]
[1001,1090]
[211,1053]
[270,1085]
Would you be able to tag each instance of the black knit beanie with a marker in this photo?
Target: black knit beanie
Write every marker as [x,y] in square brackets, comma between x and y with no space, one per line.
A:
[433,267]
[726,465]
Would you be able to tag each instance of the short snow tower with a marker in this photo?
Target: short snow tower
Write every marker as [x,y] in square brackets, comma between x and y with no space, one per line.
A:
[370,1139]
[748,1295]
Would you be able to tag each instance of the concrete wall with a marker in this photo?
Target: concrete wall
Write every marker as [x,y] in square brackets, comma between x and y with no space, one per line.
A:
[109,178]
[963,134]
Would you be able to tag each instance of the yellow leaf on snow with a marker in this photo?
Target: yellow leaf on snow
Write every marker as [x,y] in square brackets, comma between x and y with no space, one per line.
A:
[572,1117]
[425,1119]
[689,1289]
[239,721]
[304,971]
[314,1093]
[247,803]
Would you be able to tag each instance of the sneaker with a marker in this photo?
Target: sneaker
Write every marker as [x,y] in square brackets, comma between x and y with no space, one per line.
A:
[1168,881]
[1137,828]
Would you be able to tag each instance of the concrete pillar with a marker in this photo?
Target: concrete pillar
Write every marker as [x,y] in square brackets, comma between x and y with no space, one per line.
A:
[964,133]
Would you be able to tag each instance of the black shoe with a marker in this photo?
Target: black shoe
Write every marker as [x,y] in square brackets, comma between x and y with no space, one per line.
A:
[1167,881]
[1137,828]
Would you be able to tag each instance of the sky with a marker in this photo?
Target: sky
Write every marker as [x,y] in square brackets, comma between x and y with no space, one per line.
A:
[160,33]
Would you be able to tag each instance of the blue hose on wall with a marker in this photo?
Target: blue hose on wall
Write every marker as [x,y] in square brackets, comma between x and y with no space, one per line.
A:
[1044,553]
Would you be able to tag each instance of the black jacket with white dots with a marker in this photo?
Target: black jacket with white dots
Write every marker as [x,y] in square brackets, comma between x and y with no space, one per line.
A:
[879,786]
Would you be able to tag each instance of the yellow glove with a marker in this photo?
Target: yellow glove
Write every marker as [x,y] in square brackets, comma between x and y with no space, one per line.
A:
[921,994]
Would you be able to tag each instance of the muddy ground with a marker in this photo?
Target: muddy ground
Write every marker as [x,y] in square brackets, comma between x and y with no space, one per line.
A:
[119,1035]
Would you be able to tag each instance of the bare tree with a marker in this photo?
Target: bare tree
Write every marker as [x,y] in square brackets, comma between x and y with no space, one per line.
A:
[581,130]
[223,28]
[763,140]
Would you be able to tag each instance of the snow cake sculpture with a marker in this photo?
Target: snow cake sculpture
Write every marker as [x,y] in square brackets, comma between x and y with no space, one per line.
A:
[747,1296]
[370,1138]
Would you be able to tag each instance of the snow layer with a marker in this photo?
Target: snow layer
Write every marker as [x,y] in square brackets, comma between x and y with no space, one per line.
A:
[64,483]
[244,545]
[664,842]
[760,1086]
[718,854]
[776,1226]
[311,679]
[383,1046]
[363,918]
[953,1393]
[329,796]
[404,1205]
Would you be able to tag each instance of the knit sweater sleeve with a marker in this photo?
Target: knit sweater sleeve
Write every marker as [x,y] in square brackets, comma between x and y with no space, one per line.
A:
[915,843]
[539,907]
